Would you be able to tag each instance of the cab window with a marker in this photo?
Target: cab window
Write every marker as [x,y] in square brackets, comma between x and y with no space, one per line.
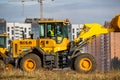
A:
[41,30]
[59,32]
[50,30]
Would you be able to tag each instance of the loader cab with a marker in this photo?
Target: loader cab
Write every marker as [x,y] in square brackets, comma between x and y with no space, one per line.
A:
[53,34]
[56,30]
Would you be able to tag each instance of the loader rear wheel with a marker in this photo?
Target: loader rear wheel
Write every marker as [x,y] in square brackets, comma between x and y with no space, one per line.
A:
[85,63]
[30,62]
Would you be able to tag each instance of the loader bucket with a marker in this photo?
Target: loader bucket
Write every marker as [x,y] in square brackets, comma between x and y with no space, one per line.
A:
[115,23]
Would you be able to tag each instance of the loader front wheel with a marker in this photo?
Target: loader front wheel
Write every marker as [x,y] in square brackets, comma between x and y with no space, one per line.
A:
[85,63]
[30,62]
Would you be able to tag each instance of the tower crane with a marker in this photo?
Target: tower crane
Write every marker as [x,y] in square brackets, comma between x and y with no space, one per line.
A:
[41,7]
[39,1]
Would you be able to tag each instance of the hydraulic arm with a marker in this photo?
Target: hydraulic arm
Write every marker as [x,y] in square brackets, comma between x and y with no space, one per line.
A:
[91,30]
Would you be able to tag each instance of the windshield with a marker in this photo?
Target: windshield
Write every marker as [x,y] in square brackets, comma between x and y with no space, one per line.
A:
[65,30]
[2,42]
[54,30]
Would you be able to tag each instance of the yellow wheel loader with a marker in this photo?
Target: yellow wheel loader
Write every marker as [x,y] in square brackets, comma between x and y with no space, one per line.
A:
[53,51]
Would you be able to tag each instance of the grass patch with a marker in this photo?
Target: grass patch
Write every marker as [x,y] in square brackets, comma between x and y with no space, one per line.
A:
[58,75]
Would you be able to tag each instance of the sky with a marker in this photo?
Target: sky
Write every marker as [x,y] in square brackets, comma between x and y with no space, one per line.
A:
[77,11]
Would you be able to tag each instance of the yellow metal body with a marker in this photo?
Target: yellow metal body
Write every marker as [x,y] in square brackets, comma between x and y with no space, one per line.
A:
[2,49]
[85,64]
[90,30]
[47,20]
[19,47]
[2,52]
[50,45]
[29,64]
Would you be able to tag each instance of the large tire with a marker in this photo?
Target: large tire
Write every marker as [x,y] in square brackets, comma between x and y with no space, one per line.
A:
[30,62]
[85,63]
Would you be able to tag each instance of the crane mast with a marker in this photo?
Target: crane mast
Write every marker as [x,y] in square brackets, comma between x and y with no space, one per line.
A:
[23,6]
[41,7]
[39,1]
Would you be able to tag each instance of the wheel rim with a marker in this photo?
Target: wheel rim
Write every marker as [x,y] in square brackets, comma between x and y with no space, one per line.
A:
[85,64]
[29,65]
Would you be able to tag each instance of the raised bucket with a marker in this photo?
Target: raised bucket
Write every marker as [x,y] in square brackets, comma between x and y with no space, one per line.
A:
[115,23]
